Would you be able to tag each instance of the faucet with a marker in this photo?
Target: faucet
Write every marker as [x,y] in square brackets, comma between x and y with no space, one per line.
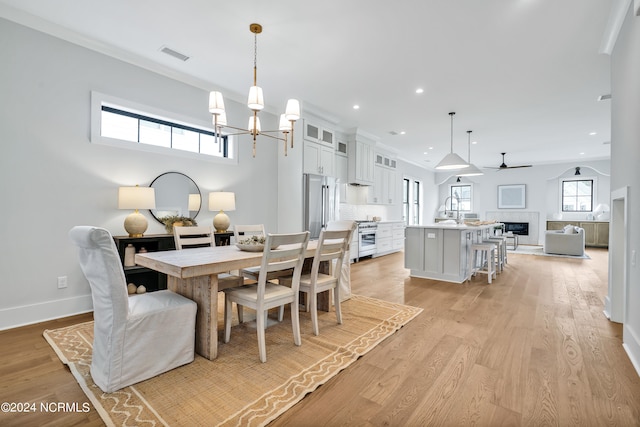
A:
[455,196]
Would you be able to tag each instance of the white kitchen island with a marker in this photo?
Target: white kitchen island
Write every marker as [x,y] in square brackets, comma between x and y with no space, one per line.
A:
[440,251]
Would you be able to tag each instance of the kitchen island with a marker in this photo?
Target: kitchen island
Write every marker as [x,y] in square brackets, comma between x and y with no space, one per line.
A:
[440,251]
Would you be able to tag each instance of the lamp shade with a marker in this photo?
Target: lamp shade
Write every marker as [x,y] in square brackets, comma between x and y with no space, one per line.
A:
[292,112]
[194,202]
[256,100]
[254,128]
[222,201]
[136,198]
[452,161]
[472,170]
[216,103]
[285,124]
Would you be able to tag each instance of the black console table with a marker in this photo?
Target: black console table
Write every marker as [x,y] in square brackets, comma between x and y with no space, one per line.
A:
[152,280]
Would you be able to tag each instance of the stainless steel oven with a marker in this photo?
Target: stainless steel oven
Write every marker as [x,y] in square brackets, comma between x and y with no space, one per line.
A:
[366,238]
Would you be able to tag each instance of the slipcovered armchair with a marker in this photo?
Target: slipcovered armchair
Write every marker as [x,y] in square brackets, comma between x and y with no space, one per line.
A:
[568,241]
[137,337]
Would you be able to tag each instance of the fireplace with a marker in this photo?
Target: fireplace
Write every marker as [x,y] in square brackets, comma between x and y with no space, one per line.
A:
[520,228]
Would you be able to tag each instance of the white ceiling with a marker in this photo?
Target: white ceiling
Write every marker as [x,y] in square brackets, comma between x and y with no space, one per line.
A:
[523,75]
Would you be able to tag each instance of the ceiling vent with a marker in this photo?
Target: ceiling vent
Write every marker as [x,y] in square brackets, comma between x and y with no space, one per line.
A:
[393,132]
[604,97]
[175,54]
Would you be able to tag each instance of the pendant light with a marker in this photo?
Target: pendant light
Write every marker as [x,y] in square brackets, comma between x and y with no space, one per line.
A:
[255,102]
[472,170]
[452,160]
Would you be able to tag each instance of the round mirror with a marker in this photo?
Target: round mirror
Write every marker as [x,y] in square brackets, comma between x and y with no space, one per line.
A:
[176,195]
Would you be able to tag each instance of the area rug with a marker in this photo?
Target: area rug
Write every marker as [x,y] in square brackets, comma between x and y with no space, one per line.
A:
[236,389]
[539,250]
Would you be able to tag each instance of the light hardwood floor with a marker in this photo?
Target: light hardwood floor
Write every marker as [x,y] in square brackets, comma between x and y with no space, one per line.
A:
[533,348]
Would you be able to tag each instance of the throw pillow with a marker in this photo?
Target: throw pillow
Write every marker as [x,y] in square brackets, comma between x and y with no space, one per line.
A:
[570,229]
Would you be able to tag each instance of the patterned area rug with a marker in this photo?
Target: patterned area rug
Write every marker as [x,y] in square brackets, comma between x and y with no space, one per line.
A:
[539,250]
[236,389]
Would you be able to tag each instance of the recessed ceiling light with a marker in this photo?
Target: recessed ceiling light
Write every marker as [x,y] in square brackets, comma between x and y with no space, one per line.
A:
[593,133]
[474,142]
[426,152]
[356,107]
[419,90]
[402,132]
[430,148]
[582,154]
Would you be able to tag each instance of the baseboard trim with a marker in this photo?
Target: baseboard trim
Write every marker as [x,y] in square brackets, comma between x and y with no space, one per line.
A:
[15,317]
[631,344]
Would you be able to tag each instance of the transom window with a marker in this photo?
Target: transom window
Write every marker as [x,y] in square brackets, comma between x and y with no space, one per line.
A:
[460,197]
[577,195]
[126,124]
[129,126]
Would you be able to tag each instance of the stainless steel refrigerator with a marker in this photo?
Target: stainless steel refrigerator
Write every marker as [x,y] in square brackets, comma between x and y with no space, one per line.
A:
[321,202]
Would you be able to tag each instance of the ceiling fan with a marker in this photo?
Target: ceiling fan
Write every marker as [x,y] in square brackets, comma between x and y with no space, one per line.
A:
[504,165]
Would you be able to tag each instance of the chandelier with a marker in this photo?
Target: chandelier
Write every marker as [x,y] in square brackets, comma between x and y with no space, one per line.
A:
[255,103]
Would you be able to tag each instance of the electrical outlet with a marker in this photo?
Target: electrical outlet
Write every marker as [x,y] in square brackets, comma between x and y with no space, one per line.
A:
[62,282]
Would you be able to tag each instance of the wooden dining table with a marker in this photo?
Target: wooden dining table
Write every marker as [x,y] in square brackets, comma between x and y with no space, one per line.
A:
[193,273]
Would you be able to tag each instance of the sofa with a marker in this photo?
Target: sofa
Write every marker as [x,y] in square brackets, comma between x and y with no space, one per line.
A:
[568,241]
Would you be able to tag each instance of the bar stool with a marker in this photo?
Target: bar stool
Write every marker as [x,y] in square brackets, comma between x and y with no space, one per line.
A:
[482,254]
[500,252]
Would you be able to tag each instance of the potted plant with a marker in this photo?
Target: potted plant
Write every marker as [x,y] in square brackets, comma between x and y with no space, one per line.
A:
[176,220]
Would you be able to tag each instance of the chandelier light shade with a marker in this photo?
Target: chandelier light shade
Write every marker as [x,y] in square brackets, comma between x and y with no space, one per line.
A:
[452,161]
[472,170]
[255,102]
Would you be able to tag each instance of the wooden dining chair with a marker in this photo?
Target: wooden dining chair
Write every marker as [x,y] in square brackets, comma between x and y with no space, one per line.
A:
[241,232]
[203,236]
[332,245]
[289,254]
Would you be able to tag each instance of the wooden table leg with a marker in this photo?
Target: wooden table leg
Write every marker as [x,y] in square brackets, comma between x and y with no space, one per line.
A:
[204,291]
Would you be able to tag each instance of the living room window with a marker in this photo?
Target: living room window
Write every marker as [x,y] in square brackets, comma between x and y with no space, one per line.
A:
[463,194]
[128,125]
[577,195]
[411,201]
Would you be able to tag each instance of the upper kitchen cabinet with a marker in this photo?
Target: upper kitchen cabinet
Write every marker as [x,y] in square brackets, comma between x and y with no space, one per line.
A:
[319,134]
[319,159]
[361,150]
[385,187]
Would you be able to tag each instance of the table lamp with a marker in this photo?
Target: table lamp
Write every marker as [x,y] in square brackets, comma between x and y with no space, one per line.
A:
[136,198]
[222,201]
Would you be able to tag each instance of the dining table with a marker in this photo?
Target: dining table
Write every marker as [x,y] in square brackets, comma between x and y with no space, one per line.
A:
[194,273]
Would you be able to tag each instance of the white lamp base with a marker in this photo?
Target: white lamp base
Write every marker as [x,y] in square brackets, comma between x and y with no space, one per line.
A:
[221,222]
[135,224]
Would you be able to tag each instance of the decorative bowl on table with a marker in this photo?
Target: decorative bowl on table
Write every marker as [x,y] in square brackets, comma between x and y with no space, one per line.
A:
[252,244]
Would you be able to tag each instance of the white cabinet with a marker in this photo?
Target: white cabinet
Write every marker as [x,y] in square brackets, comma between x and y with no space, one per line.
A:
[397,236]
[389,237]
[318,134]
[383,191]
[319,159]
[341,169]
[361,156]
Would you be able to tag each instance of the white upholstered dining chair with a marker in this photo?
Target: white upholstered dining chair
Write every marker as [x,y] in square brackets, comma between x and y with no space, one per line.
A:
[289,253]
[203,236]
[137,337]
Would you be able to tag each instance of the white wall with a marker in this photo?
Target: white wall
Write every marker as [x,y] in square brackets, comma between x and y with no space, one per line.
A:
[52,177]
[542,188]
[625,158]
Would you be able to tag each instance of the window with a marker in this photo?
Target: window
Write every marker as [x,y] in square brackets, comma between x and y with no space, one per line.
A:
[128,125]
[411,201]
[577,195]
[460,198]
